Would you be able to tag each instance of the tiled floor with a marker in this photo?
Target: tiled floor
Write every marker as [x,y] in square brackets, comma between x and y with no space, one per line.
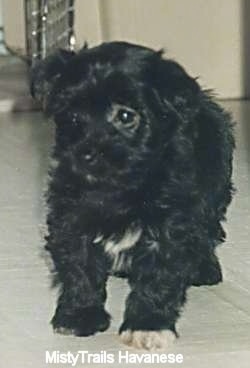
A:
[215,325]
[14,90]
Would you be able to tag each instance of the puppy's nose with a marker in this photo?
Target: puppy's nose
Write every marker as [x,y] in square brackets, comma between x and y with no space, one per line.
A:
[88,156]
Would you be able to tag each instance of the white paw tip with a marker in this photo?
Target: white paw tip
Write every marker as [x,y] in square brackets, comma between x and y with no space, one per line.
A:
[149,340]
[64,331]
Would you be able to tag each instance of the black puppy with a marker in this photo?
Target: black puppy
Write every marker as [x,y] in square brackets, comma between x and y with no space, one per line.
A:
[141,185]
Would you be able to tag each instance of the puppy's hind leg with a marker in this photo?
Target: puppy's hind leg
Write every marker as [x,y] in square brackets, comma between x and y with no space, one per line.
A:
[82,275]
[209,271]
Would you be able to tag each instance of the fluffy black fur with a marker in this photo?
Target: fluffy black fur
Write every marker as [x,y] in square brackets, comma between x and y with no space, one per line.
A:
[139,145]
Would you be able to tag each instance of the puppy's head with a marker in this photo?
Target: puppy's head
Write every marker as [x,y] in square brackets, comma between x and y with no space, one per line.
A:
[116,108]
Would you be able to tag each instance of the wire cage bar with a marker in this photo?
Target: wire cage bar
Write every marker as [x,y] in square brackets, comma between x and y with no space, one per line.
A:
[49,25]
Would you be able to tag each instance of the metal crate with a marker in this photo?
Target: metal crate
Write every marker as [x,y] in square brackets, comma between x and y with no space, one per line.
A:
[49,25]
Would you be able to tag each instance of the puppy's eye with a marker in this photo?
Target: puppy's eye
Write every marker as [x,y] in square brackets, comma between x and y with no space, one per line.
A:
[126,117]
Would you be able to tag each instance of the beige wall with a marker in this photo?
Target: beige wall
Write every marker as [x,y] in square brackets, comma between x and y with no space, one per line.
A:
[204,35]
[13,18]
[88,22]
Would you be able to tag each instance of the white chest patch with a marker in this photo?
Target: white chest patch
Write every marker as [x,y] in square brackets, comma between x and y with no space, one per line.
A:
[115,249]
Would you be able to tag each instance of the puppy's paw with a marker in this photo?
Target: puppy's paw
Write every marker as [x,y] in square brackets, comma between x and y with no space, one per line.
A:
[149,340]
[209,272]
[83,322]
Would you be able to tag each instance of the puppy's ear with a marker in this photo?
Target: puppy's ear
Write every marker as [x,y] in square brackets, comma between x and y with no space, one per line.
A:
[45,72]
[172,81]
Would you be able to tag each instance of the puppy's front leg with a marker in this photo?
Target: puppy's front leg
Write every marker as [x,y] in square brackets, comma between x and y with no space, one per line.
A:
[158,289]
[82,274]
